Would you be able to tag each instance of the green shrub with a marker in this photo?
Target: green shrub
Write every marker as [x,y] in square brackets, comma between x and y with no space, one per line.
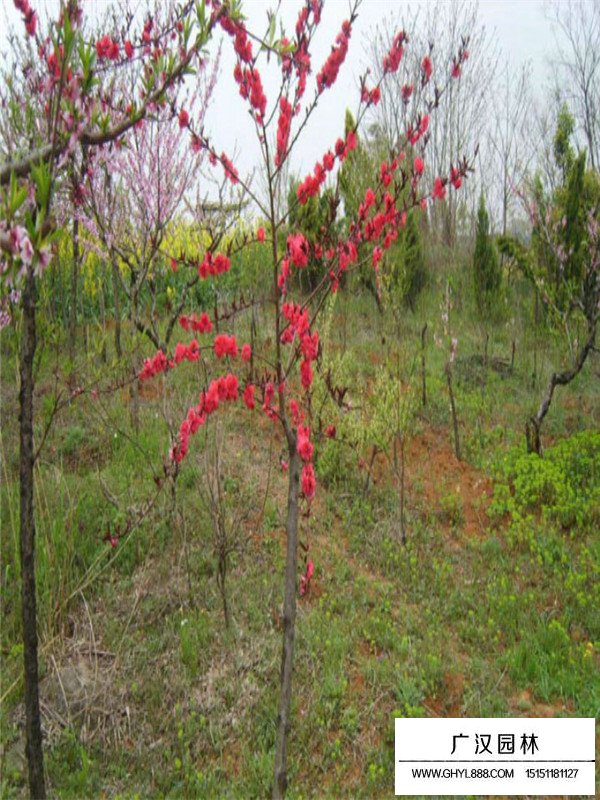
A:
[563,486]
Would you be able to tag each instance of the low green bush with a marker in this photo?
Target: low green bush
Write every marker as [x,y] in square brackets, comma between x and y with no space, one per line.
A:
[563,486]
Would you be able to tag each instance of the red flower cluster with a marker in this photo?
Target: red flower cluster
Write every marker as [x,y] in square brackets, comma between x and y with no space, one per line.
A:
[106,47]
[329,72]
[225,388]
[248,396]
[283,129]
[283,276]
[251,87]
[225,346]
[298,322]
[309,344]
[200,324]
[309,483]
[213,265]
[54,63]
[413,135]
[371,95]
[231,172]
[407,91]
[154,366]
[184,118]
[260,235]
[306,578]
[455,177]
[426,69]
[419,166]
[298,250]
[457,62]
[187,352]
[304,446]
[439,189]
[246,352]
[305,450]
[391,62]
[310,186]
[128,49]
[29,16]
[241,43]
[268,398]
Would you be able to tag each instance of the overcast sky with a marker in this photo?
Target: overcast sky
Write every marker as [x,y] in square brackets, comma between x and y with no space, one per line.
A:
[521,28]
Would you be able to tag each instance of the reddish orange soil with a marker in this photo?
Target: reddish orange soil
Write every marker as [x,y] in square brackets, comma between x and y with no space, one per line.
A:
[433,470]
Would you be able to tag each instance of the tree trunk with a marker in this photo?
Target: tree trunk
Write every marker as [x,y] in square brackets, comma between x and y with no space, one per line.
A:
[535,338]
[33,726]
[453,409]
[402,490]
[423,369]
[289,623]
[102,301]
[534,423]
[74,283]
[117,302]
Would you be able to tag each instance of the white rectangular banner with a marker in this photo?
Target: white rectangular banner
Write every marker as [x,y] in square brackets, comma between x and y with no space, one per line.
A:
[479,756]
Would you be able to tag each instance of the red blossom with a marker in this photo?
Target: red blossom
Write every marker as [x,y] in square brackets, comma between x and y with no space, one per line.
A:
[184,118]
[214,265]
[306,578]
[455,177]
[283,129]
[371,96]
[427,69]
[248,396]
[328,161]
[106,47]
[306,374]
[391,61]
[297,249]
[230,171]
[304,446]
[419,166]
[200,324]
[154,366]
[308,481]
[407,91]
[260,235]
[246,352]
[225,346]
[189,352]
[439,189]
[329,72]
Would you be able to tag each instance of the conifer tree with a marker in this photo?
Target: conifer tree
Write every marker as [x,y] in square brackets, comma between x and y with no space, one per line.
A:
[486,268]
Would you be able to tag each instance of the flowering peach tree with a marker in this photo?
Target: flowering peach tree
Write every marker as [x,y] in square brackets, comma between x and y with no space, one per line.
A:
[66,100]
[291,350]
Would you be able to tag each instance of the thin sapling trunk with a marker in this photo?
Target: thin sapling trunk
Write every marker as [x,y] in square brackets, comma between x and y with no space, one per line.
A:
[33,725]
[289,621]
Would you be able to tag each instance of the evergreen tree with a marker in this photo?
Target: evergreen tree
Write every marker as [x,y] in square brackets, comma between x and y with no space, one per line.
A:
[414,261]
[486,267]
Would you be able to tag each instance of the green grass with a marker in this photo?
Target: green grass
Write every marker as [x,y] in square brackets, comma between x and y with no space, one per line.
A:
[501,622]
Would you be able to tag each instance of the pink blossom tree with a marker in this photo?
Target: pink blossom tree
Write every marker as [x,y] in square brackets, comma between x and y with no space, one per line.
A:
[70,99]
[132,194]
